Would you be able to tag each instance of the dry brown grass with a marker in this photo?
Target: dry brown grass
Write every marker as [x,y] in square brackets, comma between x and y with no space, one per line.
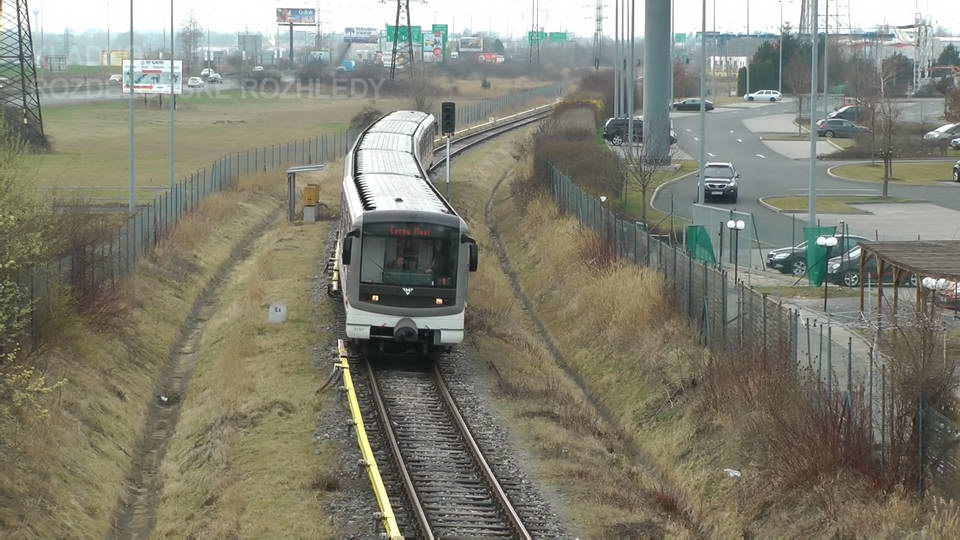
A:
[806,469]
[65,478]
[242,462]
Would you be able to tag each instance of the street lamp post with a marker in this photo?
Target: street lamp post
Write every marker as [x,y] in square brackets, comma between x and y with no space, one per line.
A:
[827,242]
[735,228]
[748,48]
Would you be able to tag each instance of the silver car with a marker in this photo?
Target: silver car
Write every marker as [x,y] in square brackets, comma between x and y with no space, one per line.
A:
[943,134]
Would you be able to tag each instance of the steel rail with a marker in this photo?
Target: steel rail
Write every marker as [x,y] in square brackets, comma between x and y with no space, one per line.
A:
[519,529]
[387,429]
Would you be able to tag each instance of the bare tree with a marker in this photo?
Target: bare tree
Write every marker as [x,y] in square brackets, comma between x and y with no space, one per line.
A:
[422,91]
[797,75]
[639,173]
[191,35]
[887,116]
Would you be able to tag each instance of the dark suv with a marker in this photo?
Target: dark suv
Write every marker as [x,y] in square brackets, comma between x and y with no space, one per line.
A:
[720,181]
[615,130]
[793,260]
[853,113]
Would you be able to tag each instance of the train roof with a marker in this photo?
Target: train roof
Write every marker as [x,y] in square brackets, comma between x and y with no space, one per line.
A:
[387,173]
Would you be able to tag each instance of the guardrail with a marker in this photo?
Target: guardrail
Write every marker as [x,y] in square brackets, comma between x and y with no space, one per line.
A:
[369,460]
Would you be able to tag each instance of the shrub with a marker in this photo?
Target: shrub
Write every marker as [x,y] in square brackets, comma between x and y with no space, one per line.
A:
[364,118]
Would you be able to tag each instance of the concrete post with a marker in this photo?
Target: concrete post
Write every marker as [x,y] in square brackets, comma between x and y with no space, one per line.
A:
[656,80]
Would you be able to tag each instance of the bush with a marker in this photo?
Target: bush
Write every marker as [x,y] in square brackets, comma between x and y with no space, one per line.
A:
[262,80]
[314,74]
[364,118]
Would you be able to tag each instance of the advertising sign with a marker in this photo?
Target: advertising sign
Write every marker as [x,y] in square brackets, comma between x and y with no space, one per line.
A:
[392,34]
[361,35]
[153,77]
[471,44]
[297,16]
[433,45]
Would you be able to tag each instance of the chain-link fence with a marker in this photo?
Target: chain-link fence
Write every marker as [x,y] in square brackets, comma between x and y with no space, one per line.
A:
[731,316]
[92,268]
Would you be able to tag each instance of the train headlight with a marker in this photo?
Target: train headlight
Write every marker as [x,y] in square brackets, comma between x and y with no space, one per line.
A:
[375,298]
[439,301]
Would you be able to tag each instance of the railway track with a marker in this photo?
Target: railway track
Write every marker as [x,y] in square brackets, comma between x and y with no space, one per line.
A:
[447,486]
[430,477]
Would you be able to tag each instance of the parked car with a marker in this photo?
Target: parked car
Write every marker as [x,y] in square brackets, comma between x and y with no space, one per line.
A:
[845,270]
[615,130]
[116,78]
[195,82]
[692,104]
[257,68]
[836,127]
[214,78]
[720,181]
[205,72]
[793,260]
[956,171]
[955,144]
[853,113]
[943,134]
[946,294]
[763,95]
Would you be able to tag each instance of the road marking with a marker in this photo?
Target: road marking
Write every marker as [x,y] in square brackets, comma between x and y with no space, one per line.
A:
[731,131]
[761,156]
[698,138]
[711,154]
[741,140]
[687,130]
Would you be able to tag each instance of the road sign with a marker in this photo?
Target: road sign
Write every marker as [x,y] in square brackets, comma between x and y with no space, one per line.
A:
[559,37]
[392,34]
[536,37]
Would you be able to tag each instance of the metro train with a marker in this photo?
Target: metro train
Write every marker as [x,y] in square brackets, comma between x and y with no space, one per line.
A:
[403,253]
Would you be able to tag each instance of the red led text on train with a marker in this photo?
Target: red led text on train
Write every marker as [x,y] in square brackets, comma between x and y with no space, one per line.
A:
[416,231]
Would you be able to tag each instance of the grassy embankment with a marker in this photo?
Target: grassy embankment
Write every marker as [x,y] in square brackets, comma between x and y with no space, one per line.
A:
[642,450]
[904,173]
[834,204]
[606,488]
[243,462]
[63,476]
[90,140]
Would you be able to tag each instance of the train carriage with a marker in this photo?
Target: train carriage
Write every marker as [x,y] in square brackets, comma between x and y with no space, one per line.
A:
[404,254]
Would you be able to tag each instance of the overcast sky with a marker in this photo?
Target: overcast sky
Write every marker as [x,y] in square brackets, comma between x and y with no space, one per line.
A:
[506,16]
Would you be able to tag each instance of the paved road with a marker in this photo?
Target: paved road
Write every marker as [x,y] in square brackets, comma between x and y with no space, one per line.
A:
[767,173]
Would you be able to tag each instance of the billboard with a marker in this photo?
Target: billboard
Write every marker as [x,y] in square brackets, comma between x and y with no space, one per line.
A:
[361,35]
[153,77]
[296,16]
[113,58]
[471,44]
[433,45]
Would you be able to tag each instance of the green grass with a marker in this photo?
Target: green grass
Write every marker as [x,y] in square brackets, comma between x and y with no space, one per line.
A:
[903,173]
[837,204]
[90,140]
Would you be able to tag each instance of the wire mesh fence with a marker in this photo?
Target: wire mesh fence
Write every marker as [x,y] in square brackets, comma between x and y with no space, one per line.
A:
[731,317]
[95,267]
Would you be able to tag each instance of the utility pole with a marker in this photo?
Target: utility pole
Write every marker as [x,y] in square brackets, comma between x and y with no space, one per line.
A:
[826,51]
[108,32]
[748,46]
[703,104]
[812,183]
[173,105]
[780,70]
[132,205]
[616,59]
[631,79]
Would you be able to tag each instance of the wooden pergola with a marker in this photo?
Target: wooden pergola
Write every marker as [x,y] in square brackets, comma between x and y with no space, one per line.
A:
[938,259]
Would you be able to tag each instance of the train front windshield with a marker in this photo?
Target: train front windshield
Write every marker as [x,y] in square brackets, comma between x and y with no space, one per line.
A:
[410,255]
